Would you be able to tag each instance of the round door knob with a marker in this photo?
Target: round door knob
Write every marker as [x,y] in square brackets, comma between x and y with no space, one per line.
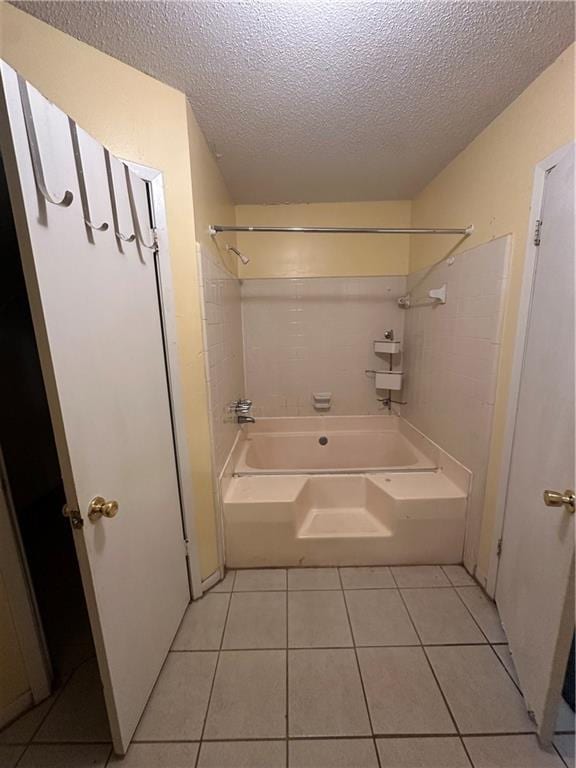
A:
[557,499]
[99,507]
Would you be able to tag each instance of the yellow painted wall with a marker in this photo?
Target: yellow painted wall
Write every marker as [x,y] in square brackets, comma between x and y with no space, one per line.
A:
[13,679]
[142,120]
[489,185]
[298,255]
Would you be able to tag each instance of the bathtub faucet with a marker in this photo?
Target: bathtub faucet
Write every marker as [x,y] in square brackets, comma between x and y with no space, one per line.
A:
[241,409]
[245,419]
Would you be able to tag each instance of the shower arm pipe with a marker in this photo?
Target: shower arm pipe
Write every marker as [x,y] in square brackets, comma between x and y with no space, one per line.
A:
[466,231]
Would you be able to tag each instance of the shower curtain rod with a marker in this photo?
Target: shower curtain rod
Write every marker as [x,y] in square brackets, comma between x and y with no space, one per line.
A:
[216,228]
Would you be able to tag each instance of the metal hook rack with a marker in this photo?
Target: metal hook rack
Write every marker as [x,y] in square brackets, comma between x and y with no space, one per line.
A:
[82,181]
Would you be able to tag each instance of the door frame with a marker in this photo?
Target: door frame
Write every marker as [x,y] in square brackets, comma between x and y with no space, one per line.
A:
[524,307]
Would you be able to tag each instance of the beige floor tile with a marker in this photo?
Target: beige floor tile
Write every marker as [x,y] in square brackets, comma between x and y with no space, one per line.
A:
[177,706]
[333,753]
[419,576]
[431,752]
[249,696]
[203,624]
[65,756]
[510,752]
[243,754]
[325,694]
[458,576]
[257,579]
[379,617]
[313,578]
[441,617]
[481,695]
[367,578]
[82,693]
[318,619]
[9,755]
[22,730]
[227,583]
[504,654]
[256,620]
[565,745]
[402,694]
[484,611]
[158,756]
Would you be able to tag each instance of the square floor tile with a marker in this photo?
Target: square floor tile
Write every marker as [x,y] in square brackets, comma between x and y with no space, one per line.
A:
[441,617]
[419,576]
[23,729]
[82,693]
[565,718]
[481,695]
[65,756]
[249,696]
[431,752]
[203,623]
[458,576]
[227,583]
[318,619]
[256,620]
[564,743]
[510,752]
[243,754]
[177,706]
[367,578]
[379,617]
[157,756]
[9,755]
[505,657]
[325,694]
[333,753]
[484,611]
[313,578]
[403,696]
[257,579]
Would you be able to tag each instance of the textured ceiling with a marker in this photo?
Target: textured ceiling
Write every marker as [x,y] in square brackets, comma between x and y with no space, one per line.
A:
[330,100]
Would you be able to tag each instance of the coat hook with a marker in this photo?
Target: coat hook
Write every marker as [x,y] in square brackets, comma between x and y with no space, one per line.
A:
[82,181]
[117,233]
[67,198]
[151,246]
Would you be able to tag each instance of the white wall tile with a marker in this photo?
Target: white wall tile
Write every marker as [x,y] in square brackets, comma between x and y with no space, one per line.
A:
[304,336]
[451,358]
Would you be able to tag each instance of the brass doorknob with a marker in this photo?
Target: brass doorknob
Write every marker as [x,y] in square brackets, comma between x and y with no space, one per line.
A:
[99,507]
[557,499]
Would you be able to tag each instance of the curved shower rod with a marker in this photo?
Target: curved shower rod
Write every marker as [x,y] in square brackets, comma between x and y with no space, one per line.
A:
[214,229]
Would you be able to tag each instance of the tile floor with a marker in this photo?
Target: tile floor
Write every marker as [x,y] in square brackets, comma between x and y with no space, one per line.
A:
[403,667]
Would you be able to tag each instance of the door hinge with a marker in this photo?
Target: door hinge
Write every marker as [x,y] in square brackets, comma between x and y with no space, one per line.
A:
[538,232]
[499,548]
[74,516]
[186,548]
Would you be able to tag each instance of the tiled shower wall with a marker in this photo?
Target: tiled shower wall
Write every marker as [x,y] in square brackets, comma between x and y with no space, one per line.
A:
[222,316]
[315,335]
[451,360]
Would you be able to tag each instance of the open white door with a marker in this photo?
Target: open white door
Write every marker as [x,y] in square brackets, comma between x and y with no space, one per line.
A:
[94,298]
[535,587]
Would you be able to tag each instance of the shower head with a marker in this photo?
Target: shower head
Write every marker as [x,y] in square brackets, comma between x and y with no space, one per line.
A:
[243,259]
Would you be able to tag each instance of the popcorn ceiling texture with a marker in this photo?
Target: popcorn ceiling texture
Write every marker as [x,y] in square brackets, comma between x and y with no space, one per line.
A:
[329,100]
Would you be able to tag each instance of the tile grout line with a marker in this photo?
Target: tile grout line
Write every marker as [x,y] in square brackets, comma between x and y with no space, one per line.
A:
[205,720]
[343,591]
[472,615]
[449,710]
[287,697]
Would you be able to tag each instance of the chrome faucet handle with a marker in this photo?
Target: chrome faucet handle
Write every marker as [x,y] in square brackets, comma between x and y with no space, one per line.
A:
[246,402]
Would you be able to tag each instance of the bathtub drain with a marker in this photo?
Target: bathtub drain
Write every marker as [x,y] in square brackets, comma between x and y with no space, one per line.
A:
[323,441]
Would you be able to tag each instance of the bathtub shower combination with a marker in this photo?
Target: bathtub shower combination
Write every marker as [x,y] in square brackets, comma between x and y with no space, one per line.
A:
[342,490]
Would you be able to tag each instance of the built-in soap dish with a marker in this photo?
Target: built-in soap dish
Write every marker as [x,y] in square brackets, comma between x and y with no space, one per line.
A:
[386,347]
[389,379]
[322,400]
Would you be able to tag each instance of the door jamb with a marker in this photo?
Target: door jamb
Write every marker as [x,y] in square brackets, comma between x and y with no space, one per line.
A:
[156,180]
[525,303]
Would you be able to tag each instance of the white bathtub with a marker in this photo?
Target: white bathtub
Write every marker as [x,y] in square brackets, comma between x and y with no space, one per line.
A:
[327,445]
[377,493]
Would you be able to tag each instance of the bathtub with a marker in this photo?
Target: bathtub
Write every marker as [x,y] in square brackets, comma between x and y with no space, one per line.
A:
[329,445]
[349,490]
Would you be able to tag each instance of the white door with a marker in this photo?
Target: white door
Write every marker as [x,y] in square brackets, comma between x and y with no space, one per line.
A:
[535,588]
[94,299]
